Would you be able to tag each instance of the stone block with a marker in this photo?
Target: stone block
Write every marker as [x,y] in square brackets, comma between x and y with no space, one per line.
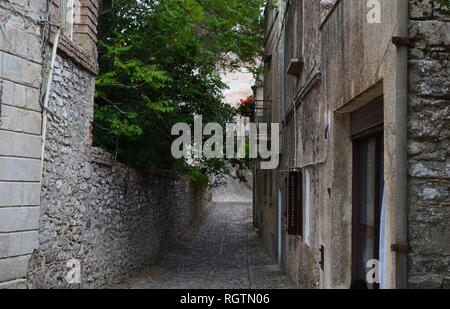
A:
[20,96]
[7,91]
[31,7]
[428,264]
[20,70]
[446,284]
[428,78]
[20,43]
[2,40]
[437,192]
[19,194]
[4,245]
[15,244]
[428,237]
[21,3]
[421,9]
[19,219]
[13,268]
[430,33]
[20,120]
[430,170]
[425,281]
[20,145]
[19,169]
[19,284]
[37,6]
[34,48]
[7,39]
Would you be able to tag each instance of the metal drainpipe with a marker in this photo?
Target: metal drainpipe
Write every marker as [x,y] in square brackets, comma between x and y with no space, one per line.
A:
[47,95]
[401,153]
[283,68]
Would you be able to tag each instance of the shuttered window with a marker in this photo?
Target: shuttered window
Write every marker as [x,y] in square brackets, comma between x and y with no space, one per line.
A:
[295,209]
[294,30]
[294,40]
[67,14]
[368,118]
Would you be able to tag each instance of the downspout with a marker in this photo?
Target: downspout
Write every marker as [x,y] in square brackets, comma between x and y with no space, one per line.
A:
[47,95]
[401,276]
[283,111]
[295,134]
[283,76]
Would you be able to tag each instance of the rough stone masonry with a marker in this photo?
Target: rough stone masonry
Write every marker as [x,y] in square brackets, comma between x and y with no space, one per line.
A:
[112,219]
[429,146]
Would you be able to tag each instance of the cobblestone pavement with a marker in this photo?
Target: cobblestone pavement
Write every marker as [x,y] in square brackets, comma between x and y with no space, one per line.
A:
[223,252]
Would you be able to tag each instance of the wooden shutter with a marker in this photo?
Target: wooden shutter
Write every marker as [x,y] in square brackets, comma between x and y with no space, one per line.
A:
[368,117]
[295,211]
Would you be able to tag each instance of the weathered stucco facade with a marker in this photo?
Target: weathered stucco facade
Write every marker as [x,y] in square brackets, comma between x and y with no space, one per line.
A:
[75,202]
[327,63]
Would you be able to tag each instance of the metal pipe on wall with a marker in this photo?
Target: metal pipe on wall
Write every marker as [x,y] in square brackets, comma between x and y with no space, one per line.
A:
[283,96]
[47,95]
[401,149]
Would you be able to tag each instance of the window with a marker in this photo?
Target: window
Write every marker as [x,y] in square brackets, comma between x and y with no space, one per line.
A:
[298,29]
[1,96]
[269,20]
[368,182]
[294,38]
[270,186]
[295,199]
[67,14]
[307,205]
[265,185]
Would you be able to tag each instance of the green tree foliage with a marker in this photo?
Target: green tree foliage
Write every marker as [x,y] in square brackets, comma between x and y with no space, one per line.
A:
[444,2]
[445,6]
[159,65]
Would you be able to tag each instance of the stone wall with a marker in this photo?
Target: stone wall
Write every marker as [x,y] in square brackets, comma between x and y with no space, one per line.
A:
[85,206]
[429,146]
[20,141]
[115,221]
[111,218]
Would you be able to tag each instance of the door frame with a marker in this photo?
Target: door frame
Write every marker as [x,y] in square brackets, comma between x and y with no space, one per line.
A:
[367,123]
[359,229]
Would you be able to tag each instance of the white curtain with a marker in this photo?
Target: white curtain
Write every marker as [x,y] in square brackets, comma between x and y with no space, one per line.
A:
[383,249]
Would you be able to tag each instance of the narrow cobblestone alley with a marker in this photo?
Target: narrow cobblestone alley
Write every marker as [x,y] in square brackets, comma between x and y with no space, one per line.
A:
[223,252]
